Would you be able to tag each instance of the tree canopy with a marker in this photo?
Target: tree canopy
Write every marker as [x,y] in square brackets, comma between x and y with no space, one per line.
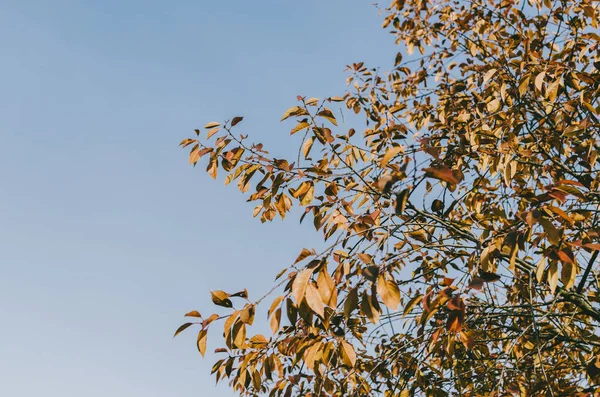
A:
[461,215]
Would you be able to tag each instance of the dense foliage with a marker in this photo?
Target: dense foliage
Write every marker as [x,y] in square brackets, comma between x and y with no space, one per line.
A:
[462,216]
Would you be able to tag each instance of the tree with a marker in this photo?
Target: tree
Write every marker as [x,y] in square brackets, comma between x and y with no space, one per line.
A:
[462,217]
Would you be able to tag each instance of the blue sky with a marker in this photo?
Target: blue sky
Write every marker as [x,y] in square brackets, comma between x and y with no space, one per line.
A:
[107,235]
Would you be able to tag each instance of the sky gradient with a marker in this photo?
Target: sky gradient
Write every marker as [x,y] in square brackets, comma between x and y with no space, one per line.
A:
[107,235]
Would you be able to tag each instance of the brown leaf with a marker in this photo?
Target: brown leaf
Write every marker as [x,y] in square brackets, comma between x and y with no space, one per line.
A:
[476,283]
[489,277]
[236,120]
[182,328]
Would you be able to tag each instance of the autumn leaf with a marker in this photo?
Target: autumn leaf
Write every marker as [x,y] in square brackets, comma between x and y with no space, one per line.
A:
[300,284]
[236,120]
[443,173]
[221,298]
[201,341]
[193,313]
[464,170]
[390,154]
[212,124]
[182,328]
[348,353]
[313,299]
[389,292]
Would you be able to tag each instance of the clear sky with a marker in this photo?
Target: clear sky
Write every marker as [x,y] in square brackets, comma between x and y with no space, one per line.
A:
[107,235]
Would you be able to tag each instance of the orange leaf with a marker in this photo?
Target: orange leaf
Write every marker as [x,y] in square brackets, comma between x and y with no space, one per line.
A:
[444,173]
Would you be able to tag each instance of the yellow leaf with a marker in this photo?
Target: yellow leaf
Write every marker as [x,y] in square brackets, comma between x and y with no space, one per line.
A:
[467,339]
[212,132]
[463,117]
[326,287]
[194,155]
[552,90]
[390,153]
[300,284]
[201,342]
[508,172]
[294,111]
[553,276]
[551,231]
[328,115]
[258,340]
[299,127]
[193,313]
[411,304]
[308,144]
[493,105]
[312,354]
[209,320]
[348,354]
[539,81]
[524,86]
[313,299]
[239,334]
[490,73]
[568,274]
[306,200]
[212,124]
[303,255]
[221,298]
[389,292]
[274,321]
[541,266]
[275,304]
[247,314]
